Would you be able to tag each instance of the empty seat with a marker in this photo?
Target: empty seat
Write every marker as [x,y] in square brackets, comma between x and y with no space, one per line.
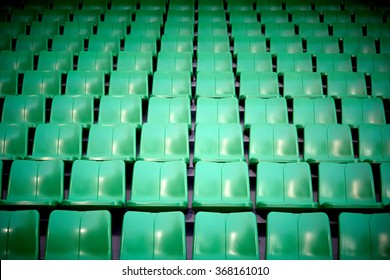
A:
[221,187]
[173,28]
[378,30]
[291,44]
[174,61]
[93,5]
[314,111]
[380,85]
[123,83]
[159,186]
[12,29]
[46,83]
[273,142]
[170,110]
[346,186]
[316,45]
[268,5]
[357,111]
[364,236]
[127,5]
[293,62]
[104,43]
[318,29]
[298,5]
[53,141]
[47,29]
[31,43]
[56,16]
[181,5]
[249,29]
[374,143]
[339,16]
[72,110]
[24,15]
[180,13]
[355,45]
[366,16]
[341,30]
[164,142]
[219,236]
[385,184]
[209,43]
[323,5]
[284,187]
[384,46]
[8,82]
[329,62]
[69,5]
[206,28]
[17,61]
[239,5]
[116,16]
[182,43]
[369,63]
[215,84]
[285,29]
[254,62]
[305,16]
[95,61]
[135,61]
[211,110]
[13,140]
[120,110]
[82,29]
[262,84]
[349,84]
[298,237]
[146,29]
[332,142]
[68,43]
[208,61]
[35,184]
[302,84]
[273,16]
[5,43]
[208,15]
[84,82]
[153,236]
[29,110]
[92,16]
[55,61]
[249,44]
[259,110]
[111,142]
[96,184]
[78,235]
[149,16]
[171,84]
[19,238]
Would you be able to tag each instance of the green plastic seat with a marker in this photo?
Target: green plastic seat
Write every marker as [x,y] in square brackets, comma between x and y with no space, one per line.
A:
[29,110]
[31,43]
[180,13]
[69,5]
[265,111]
[261,84]
[385,183]
[35,184]
[116,16]
[298,5]
[349,84]
[254,62]
[127,5]
[170,110]
[149,16]
[78,28]
[374,143]
[341,30]
[85,83]
[367,16]
[154,5]
[318,29]
[121,110]
[171,84]
[331,142]
[92,16]
[13,141]
[230,236]
[146,29]
[303,236]
[209,28]
[339,16]
[384,45]
[284,187]
[79,235]
[346,186]
[221,187]
[357,111]
[138,43]
[181,6]
[12,29]
[263,5]
[273,142]
[178,29]
[216,44]
[207,61]
[249,44]
[8,82]
[174,61]
[123,83]
[273,16]
[47,29]
[305,16]
[159,186]
[111,142]
[93,5]
[153,236]
[380,85]
[302,84]
[355,45]
[55,61]
[72,110]
[67,43]
[53,141]
[218,142]
[364,236]
[104,43]
[215,84]
[208,15]
[323,5]
[316,45]
[164,142]
[20,61]
[5,43]
[24,15]
[243,16]
[239,5]
[333,62]
[378,30]
[293,62]
[45,83]
[19,238]
[211,110]
[135,61]
[369,62]
[59,16]
[95,61]
[39,5]
[291,44]
[283,29]
[314,111]
[96,184]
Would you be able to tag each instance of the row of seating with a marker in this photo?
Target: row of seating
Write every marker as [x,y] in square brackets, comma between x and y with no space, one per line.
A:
[220,187]
[161,236]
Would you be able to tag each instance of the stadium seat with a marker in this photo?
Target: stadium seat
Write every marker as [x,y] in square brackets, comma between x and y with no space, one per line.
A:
[182,43]
[340,16]
[38,5]
[81,29]
[280,44]
[104,43]
[211,110]
[118,16]
[29,110]
[215,84]
[239,5]
[96,185]
[254,62]
[355,45]
[154,6]
[164,142]
[128,5]
[69,5]
[374,143]
[214,44]
[249,44]
[302,84]
[153,236]
[46,83]
[72,110]
[385,184]
[230,236]
[378,30]
[357,111]
[19,238]
[84,82]
[331,142]
[5,43]
[53,141]
[35,184]
[12,29]
[17,61]
[218,142]
[110,30]
[264,111]
[13,140]
[78,235]
[284,187]
[298,236]
[273,142]
[93,5]
[111,142]
[181,13]
[293,62]
[173,28]
[68,43]
[47,29]
[333,62]
[366,16]
[8,82]
[92,16]
[347,84]
[341,30]
[262,5]
[208,15]
[55,61]
[273,16]
[221,187]
[243,16]
[305,16]
[26,16]
[318,29]
[346,186]
[135,61]
[123,83]
[159,186]
[95,61]
[380,85]
[285,29]
[262,84]
[136,43]
[120,110]
[323,5]
[208,61]
[384,45]
[314,111]
[298,5]
[146,29]
[171,84]
[369,63]
[316,45]
[181,6]
[174,61]
[364,236]
[209,28]
[55,16]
